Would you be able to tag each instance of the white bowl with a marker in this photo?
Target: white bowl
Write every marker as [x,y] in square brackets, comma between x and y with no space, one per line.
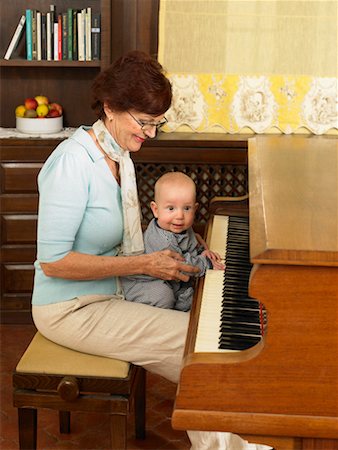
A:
[44,125]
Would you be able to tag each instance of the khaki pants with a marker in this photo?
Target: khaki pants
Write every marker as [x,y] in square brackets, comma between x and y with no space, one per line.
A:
[144,335]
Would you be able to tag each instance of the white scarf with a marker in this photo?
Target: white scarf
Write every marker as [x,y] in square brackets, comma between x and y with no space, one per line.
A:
[132,243]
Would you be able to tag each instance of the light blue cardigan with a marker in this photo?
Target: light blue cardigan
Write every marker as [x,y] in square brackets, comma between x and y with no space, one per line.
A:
[79,210]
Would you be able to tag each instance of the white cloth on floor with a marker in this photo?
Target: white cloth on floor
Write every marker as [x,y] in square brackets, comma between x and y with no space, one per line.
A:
[214,440]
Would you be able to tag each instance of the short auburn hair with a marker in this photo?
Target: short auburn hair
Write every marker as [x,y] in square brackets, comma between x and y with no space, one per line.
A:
[134,81]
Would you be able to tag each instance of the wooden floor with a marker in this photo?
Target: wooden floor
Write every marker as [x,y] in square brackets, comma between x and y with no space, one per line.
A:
[89,431]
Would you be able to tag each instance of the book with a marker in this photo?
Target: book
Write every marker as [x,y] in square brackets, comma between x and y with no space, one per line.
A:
[75,49]
[16,37]
[52,11]
[29,44]
[81,36]
[34,40]
[96,36]
[88,25]
[55,41]
[64,16]
[59,38]
[38,36]
[44,36]
[50,42]
[70,34]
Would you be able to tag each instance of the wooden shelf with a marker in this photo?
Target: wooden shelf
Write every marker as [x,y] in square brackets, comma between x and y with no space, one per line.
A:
[52,64]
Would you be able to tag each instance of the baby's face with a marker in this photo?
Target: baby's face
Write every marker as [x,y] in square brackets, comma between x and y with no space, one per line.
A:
[175,208]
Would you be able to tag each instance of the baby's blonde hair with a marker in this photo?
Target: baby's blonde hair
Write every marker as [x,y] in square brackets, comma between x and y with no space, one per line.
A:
[172,178]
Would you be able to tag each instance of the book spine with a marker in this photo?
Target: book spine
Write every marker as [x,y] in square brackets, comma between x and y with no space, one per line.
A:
[44,36]
[34,40]
[29,44]
[75,49]
[70,34]
[50,42]
[88,34]
[52,10]
[83,18]
[16,37]
[56,41]
[38,36]
[80,34]
[59,53]
[96,36]
[64,35]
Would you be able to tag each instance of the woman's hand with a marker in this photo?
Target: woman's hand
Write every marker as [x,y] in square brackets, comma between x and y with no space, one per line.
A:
[168,265]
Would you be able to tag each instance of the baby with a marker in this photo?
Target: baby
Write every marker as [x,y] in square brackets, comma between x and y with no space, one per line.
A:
[174,210]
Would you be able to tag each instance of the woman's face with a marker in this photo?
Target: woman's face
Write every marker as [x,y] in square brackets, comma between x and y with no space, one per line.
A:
[126,130]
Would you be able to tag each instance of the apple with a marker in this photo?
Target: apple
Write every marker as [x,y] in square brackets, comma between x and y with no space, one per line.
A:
[53,113]
[31,103]
[42,110]
[41,99]
[20,111]
[30,113]
[57,107]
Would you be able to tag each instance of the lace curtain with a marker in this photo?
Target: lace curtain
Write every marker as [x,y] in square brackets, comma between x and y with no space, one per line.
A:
[251,66]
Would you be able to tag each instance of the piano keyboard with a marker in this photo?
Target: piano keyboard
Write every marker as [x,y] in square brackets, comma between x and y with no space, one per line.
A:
[229,320]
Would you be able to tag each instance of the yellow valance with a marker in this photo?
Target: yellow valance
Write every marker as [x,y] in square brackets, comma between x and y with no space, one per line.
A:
[216,102]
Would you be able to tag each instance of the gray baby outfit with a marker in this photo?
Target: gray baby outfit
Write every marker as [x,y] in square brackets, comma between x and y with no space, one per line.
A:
[167,294]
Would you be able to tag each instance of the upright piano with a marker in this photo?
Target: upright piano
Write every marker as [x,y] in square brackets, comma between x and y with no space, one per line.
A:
[281,386]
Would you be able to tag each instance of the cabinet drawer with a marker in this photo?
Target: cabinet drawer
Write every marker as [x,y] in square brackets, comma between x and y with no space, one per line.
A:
[19,177]
[18,278]
[18,229]
[18,254]
[19,203]
[16,302]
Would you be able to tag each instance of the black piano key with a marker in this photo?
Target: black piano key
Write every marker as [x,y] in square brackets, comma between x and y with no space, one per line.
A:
[237,344]
[241,316]
[237,318]
[240,308]
[244,330]
[240,305]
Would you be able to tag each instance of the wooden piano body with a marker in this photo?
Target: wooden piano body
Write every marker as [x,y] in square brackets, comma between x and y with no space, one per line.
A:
[284,390]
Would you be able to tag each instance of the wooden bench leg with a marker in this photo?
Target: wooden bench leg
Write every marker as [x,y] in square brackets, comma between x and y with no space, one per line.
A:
[140,405]
[27,428]
[118,431]
[64,421]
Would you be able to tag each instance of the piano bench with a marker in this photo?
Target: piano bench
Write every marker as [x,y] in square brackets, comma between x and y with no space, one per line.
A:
[54,377]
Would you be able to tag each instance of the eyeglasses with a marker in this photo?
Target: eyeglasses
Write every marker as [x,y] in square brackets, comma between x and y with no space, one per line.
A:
[145,126]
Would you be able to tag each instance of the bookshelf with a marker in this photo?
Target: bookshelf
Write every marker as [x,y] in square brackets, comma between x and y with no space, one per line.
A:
[125,25]
[65,82]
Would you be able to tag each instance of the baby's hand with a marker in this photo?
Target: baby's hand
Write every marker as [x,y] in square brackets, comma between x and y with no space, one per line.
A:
[215,259]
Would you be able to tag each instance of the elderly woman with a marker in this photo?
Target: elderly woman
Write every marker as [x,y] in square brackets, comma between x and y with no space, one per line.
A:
[89,234]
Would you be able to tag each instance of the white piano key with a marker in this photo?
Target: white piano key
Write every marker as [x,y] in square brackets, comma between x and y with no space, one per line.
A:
[218,235]
[211,304]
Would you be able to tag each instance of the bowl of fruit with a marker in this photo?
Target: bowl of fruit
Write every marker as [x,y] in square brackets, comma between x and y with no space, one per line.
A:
[37,115]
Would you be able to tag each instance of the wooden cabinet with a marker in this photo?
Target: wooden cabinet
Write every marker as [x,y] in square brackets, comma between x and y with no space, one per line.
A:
[21,160]
[217,163]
